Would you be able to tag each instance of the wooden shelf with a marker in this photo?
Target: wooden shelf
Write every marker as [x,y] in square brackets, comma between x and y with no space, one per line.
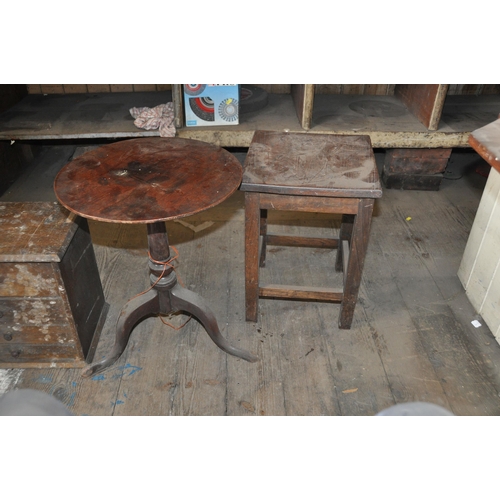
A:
[78,116]
[392,121]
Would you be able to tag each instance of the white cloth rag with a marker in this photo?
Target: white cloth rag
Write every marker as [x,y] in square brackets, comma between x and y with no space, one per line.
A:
[160,117]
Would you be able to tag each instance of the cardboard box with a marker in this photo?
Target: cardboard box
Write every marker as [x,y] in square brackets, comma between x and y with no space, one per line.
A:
[211,104]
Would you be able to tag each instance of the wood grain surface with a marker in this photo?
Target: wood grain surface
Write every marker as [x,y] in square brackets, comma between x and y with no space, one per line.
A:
[411,338]
[148,180]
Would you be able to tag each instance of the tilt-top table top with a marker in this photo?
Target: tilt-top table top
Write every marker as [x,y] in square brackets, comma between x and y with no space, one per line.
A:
[148,180]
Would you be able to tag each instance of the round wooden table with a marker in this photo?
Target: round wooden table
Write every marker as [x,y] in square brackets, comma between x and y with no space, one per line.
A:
[149,181]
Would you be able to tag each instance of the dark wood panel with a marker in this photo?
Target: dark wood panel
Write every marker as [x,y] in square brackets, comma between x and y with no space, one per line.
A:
[425,101]
[416,161]
[301,241]
[308,203]
[303,99]
[301,292]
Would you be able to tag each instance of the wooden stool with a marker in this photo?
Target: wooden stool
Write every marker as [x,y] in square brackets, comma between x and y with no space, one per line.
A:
[320,173]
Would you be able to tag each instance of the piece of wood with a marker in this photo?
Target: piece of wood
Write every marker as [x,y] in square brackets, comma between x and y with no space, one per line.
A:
[279,170]
[148,180]
[379,89]
[300,241]
[252,232]
[425,101]
[106,115]
[419,182]
[178,100]
[52,306]
[35,232]
[301,292]
[315,165]
[52,89]
[487,143]
[75,89]
[303,98]
[416,161]
[144,88]
[352,88]
[78,116]
[474,89]
[34,89]
[420,169]
[354,262]
[275,88]
[98,88]
[328,88]
[305,202]
[122,88]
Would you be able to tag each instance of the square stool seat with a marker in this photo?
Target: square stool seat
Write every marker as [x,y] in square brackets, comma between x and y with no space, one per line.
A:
[322,173]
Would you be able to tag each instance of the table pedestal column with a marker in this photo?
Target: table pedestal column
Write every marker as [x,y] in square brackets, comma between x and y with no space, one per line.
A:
[165,297]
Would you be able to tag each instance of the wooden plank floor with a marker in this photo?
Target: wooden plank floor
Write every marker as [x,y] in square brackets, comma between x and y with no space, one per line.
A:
[411,339]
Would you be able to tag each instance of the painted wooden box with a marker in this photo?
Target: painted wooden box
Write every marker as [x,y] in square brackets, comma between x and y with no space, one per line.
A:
[52,304]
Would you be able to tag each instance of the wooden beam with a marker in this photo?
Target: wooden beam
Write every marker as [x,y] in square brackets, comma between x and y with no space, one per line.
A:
[301,293]
[301,241]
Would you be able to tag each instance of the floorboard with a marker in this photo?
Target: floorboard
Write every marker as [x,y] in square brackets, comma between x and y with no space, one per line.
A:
[411,340]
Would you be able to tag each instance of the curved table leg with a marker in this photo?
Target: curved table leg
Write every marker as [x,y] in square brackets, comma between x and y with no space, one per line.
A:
[186,300]
[132,312]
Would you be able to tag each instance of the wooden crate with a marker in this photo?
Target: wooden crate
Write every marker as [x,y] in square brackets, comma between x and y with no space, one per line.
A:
[52,304]
[420,169]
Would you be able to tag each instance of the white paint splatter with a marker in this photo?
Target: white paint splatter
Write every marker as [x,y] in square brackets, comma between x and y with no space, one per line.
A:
[8,379]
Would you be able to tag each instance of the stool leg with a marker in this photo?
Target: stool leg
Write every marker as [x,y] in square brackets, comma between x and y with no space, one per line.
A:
[252,231]
[344,234]
[263,233]
[357,253]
